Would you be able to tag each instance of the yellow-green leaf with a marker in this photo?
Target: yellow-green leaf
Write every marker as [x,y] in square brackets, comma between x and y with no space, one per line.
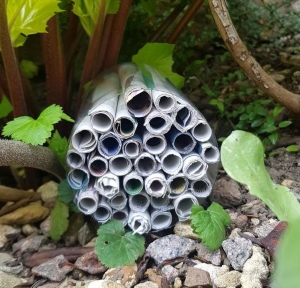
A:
[59,220]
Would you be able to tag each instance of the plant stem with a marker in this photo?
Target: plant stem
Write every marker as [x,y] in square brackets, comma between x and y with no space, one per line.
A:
[11,66]
[188,15]
[116,34]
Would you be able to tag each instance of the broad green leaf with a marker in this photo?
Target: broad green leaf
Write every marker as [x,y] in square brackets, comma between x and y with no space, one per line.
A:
[284,124]
[29,69]
[35,132]
[210,224]
[256,123]
[292,148]
[287,264]
[59,145]
[115,248]
[159,56]
[27,17]
[88,12]
[59,220]
[5,107]
[242,156]
[277,110]
[273,138]
[65,192]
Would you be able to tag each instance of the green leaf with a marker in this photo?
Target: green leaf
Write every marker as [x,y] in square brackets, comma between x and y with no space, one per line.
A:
[242,156]
[210,224]
[59,145]
[5,107]
[159,56]
[59,220]
[65,192]
[284,124]
[217,103]
[29,69]
[273,138]
[256,123]
[115,248]
[292,148]
[27,17]
[35,132]
[277,109]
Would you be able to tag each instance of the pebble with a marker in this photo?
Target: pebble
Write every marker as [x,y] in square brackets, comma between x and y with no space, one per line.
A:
[170,273]
[45,226]
[197,277]
[74,283]
[54,269]
[169,247]
[255,269]
[238,251]
[50,285]
[8,280]
[146,284]
[241,221]
[228,279]
[184,229]
[8,233]
[89,262]
[105,284]
[49,192]
[28,229]
[125,275]
[255,221]
[254,207]
[177,283]
[30,243]
[208,255]
[265,228]
[227,193]
[85,234]
[153,277]
[214,271]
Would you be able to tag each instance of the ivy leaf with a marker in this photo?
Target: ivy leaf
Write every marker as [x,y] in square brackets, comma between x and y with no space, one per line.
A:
[5,107]
[115,248]
[159,56]
[59,220]
[65,192]
[210,224]
[27,17]
[35,132]
[59,145]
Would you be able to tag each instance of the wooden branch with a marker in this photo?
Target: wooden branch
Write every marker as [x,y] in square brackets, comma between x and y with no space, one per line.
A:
[249,65]
[8,194]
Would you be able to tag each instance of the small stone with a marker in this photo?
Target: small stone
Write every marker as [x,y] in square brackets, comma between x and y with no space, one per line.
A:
[46,226]
[213,271]
[227,193]
[85,234]
[49,192]
[170,273]
[208,255]
[105,284]
[9,280]
[255,221]
[146,284]
[255,269]
[184,229]
[33,212]
[51,285]
[31,243]
[153,276]
[229,279]
[169,247]
[177,283]
[5,257]
[255,207]
[238,251]
[74,284]
[28,229]
[241,221]
[54,269]
[235,233]
[265,228]
[89,262]
[197,277]
[125,275]
[8,233]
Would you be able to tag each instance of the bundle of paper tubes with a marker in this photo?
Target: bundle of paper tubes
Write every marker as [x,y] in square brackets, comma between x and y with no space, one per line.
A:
[140,151]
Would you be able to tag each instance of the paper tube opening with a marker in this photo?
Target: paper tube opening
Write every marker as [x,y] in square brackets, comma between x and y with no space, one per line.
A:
[140,104]
[118,201]
[171,163]
[88,201]
[165,104]
[121,215]
[109,145]
[161,220]
[194,167]
[155,145]
[75,159]
[177,184]
[201,188]
[133,186]
[202,132]
[209,153]
[184,143]
[98,166]
[160,203]
[184,117]
[78,178]
[102,122]
[120,165]
[145,164]
[183,205]
[139,202]
[84,141]
[132,149]
[125,127]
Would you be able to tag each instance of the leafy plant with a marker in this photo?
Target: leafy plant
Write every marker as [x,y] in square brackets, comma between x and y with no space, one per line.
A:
[210,224]
[112,240]
[59,220]
[5,107]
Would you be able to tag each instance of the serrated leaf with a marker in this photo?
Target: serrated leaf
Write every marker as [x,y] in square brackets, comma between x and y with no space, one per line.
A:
[35,132]
[59,220]
[115,248]
[27,17]
[59,145]
[292,148]
[210,224]
[5,107]
[159,56]
[242,156]
[65,192]
[29,69]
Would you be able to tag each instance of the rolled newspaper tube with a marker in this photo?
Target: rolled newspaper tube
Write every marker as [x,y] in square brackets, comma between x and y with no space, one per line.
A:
[193,166]
[103,212]
[133,183]
[182,142]
[108,185]
[145,164]
[177,184]
[154,144]
[183,205]
[201,188]
[139,222]
[84,138]
[74,158]
[171,161]
[109,145]
[185,116]
[132,147]
[125,124]
[121,215]
[97,165]
[78,178]
[201,131]
[118,201]
[120,165]
[158,123]
[160,220]
[88,199]
[208,152]
[160,203]
[155,184]
[139,202]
